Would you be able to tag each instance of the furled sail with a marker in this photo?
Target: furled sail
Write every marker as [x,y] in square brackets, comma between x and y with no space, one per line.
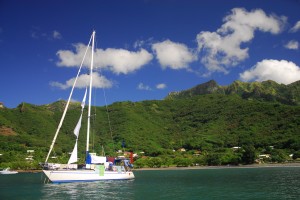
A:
[73,157]
[77,128]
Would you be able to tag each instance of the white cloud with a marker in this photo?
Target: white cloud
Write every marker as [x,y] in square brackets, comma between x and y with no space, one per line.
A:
[116,60]
[222,49]
[138,44]
[141,86]
[142,43]
[56,35]
[83,81]
[121,60]
[173,55]
[296,27]
[281,71]
[161,86]
[37,33]
[71,59]
[293,44]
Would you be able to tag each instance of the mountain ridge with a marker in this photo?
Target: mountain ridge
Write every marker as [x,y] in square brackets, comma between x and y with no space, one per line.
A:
[265,91]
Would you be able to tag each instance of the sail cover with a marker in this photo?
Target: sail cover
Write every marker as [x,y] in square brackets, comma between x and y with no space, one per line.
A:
[98,159]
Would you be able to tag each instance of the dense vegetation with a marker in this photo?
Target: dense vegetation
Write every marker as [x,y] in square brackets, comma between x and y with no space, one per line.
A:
[207,125]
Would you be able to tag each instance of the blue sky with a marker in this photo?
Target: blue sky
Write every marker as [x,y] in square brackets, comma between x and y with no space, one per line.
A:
[144,49]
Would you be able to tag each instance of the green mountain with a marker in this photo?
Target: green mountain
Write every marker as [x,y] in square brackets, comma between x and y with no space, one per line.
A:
[207,118]
[263,91]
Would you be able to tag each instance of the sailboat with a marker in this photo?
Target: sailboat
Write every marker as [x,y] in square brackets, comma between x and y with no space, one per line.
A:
[96,168]
[8,171]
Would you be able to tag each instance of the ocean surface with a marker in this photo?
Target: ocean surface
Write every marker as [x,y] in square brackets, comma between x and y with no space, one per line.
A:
[221,183]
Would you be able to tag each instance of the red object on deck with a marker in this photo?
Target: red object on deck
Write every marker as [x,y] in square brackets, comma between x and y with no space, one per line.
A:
[111,159]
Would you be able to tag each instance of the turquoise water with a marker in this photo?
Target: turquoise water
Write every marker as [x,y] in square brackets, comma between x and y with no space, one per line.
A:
[228,183]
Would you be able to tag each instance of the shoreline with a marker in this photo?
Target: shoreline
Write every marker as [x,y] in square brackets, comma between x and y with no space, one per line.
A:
[265,165]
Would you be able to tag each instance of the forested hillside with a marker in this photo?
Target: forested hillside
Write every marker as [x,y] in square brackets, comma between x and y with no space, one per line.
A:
[205,124]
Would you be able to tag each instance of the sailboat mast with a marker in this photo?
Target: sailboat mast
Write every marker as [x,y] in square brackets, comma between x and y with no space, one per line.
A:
[67,105]
[90,94]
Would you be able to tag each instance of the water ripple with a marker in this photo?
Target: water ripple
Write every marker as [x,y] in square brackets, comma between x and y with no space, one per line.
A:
[113,190]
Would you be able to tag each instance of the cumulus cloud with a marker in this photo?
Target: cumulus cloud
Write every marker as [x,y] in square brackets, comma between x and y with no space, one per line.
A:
[293,44]
[116,60]
[222,49]
[296,27]
[173,55]
[161,86]
[84,81]
[281,71]
[73,59]
[142,86]
[122,61]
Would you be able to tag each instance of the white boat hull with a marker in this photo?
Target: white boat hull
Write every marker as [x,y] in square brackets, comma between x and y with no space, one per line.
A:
[67,176]
[8,172]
